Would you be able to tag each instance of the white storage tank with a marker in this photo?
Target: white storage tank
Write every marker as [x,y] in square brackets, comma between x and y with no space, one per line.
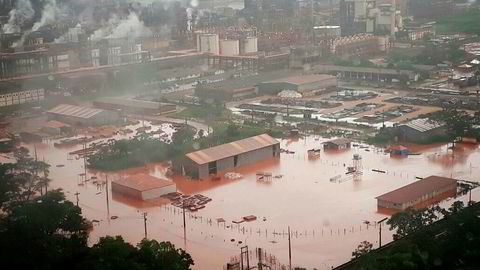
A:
[250,45]
[229,47]
[208,43]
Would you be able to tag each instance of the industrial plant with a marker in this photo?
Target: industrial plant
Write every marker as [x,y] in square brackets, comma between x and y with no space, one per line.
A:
[239,134]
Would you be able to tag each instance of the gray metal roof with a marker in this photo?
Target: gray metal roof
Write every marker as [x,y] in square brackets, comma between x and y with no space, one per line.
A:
[423,124]
[75,111]
[232,149]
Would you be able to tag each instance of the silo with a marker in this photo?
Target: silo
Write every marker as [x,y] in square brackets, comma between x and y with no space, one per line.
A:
[208,43]
[250,45]
[229,47]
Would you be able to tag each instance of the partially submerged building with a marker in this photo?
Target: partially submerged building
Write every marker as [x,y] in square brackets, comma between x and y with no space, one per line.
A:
[78,115]
[417,192]
[399,150]
[54,127]
[304,84]
[201,164]
[337,144]
[143,187]
[420,130]
[134,105]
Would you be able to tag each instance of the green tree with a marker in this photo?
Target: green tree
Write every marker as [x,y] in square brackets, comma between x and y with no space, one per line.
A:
[411,220]
[163,256]
[458,123]
[363,248]
[45,233]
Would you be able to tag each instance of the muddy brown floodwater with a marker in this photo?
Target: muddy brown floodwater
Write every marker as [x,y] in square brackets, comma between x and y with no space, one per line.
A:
[327,218]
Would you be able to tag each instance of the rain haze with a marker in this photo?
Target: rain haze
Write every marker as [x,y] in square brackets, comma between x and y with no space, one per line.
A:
[240,134]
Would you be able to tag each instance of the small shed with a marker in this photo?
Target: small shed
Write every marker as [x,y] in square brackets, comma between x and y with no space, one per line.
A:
[399,150]
[143,187]
[337,144]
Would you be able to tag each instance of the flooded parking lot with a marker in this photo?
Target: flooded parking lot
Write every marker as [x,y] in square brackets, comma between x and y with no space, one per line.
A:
[327,218]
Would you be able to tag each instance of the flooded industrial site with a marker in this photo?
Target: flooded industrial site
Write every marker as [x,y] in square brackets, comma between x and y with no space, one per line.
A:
[328,210]
[240,134]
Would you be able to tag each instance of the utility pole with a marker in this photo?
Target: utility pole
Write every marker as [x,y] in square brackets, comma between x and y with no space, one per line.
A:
[184,224]
[106,192]
[380,232]
[289,251]
[145,223]
[76,194]
[85,159]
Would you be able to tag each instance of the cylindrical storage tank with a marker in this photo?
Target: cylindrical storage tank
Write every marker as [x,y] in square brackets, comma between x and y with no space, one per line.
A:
[208,43]
[250,45]
[229,47]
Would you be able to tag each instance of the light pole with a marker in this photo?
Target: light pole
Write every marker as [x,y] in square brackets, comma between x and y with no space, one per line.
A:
[380,232]
[145,223]
[76,195]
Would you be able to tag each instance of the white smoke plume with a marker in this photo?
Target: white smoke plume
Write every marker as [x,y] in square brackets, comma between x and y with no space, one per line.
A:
[130,27]
[18,16]
[50,13]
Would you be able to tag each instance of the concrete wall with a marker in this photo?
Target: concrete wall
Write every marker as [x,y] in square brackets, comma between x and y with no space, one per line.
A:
[126,191]
[275,87]
[156,193]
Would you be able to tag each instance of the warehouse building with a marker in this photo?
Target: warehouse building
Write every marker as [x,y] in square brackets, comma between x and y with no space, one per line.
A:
[337,144]
[210,93]
[56,128]
[77,115]
[143,187]
[134,105]
[210,161]
[304,84]
[418,192]
[420,130]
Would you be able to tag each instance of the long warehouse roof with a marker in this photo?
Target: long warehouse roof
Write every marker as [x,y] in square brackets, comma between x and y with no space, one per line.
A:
[231,149]
[417,189]
[75,111]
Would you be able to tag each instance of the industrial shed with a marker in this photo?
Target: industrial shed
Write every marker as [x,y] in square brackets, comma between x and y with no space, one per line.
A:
[134,105]
[201,164]
[420,130]
[417,192]
[304,84]
[77,115]
[53,127]
[143,187]
[337,144]
[224,93]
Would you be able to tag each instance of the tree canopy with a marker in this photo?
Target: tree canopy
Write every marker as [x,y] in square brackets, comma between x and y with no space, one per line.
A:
[42,230]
